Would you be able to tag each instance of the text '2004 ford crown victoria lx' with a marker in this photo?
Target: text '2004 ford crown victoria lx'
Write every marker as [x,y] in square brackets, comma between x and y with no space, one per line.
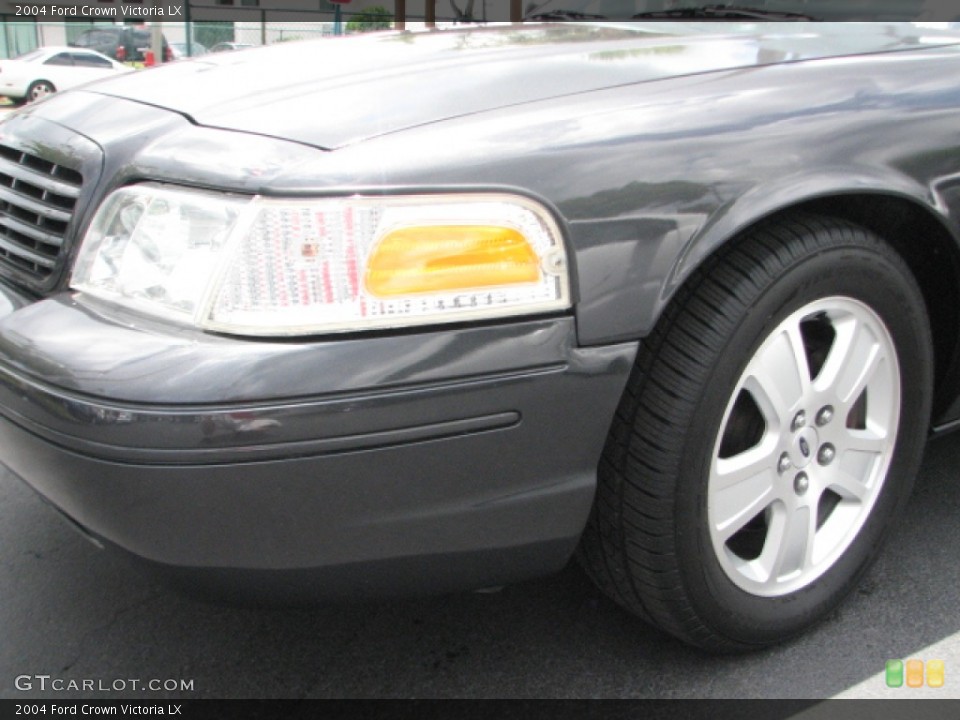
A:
[440,310]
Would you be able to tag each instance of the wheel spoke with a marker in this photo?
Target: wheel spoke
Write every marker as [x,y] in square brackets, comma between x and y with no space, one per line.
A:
[741,487]
[779,376]
[793,542]
[852,361]
[865,441]
[847,485]
[853,473]
[758,460]
[798,362]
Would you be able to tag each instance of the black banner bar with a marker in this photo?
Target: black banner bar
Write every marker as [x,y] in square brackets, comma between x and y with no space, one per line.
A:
[469,11]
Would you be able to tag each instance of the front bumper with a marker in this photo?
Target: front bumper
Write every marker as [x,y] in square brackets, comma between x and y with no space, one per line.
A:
[456,458]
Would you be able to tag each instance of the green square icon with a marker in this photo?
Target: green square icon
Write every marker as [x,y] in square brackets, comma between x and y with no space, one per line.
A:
[894,673]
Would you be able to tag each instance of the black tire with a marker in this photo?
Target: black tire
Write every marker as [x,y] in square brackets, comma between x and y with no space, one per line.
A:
[39,89]
[653,541]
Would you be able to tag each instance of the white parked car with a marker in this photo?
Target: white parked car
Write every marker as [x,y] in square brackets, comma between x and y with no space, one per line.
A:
[40,72]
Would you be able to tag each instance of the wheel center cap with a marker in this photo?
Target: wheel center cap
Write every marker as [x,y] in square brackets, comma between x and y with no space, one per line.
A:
[805,444]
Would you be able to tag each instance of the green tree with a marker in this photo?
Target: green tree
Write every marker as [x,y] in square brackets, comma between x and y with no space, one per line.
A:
[373,18]
[209,32]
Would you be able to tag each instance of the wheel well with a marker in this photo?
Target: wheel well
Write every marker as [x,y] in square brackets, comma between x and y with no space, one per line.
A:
[934,262]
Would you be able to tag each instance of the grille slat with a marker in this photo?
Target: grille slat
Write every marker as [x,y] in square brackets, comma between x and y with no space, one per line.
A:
[37,199]
[31,231]
[38,179]
[15,199]
[34,206]
[8,249]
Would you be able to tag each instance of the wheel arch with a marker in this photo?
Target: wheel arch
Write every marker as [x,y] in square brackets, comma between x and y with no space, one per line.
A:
[899,215]
[647,541]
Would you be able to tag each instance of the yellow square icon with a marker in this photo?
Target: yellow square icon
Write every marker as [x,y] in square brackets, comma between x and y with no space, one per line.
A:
[935,673]
[914,673]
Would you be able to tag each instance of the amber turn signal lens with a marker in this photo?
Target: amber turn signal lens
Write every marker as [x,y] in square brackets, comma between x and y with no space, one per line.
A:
[444,258]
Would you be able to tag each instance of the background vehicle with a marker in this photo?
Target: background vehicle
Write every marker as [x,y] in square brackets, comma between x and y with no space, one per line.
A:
[40,72]
[178,51]
[230,46]
[123,43]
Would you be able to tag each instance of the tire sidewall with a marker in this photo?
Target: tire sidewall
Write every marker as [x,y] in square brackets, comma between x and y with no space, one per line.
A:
[870,273]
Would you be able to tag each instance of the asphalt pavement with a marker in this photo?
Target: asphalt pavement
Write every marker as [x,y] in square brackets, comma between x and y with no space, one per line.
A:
[80,615]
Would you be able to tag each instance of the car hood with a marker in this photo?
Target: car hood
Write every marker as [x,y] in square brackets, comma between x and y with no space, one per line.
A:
[337,91]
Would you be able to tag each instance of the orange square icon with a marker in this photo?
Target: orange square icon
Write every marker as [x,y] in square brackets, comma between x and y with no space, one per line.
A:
[914,673]
[935,673]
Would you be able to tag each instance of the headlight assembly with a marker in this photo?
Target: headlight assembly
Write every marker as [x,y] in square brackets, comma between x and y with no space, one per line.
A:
[266,266]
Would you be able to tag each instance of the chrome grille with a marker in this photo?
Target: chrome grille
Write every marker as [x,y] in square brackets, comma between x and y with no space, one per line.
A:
[37,199]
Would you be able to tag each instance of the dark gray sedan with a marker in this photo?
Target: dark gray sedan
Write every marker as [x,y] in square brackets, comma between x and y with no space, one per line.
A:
[429,311]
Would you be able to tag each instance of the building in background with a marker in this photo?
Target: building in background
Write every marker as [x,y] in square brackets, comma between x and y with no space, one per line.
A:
[250,22]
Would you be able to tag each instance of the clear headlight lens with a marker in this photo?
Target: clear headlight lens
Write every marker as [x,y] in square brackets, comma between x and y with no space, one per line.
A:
[156,248]
[264,266]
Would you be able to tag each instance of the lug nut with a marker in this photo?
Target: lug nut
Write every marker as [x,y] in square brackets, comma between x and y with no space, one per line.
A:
[784,464]
[799,420]
[826,454]
[801,483]
[824,416]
